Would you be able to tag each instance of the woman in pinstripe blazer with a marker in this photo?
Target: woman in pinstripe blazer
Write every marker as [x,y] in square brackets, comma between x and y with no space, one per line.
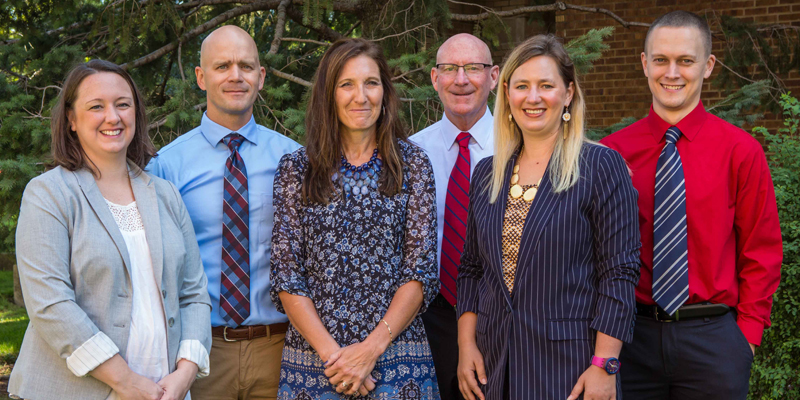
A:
[551,258]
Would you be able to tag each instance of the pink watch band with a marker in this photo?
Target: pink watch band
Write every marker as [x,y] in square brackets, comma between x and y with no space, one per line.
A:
[599,362]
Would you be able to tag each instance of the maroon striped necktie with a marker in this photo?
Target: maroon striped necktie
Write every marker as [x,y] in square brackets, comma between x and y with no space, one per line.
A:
[455,219]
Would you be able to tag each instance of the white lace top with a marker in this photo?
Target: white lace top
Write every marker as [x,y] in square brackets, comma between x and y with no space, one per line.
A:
[147,343]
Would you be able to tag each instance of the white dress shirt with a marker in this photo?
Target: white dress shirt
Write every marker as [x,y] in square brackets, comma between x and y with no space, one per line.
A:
[439,143]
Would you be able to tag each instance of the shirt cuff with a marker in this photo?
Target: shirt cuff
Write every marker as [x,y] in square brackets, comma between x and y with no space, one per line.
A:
[194,351]
[753,330]
[93,352]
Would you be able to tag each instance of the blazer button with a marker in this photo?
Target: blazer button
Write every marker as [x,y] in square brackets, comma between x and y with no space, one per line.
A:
[164,294]
[171,322]
[508,308]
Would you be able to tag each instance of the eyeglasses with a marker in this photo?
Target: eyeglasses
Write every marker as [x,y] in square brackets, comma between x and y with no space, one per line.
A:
[471,69]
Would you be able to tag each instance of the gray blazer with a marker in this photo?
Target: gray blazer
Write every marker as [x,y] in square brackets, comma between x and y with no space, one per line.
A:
[74,268]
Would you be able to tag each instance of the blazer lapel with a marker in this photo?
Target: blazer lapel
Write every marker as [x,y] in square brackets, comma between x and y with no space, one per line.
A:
[144,192]
[98,204]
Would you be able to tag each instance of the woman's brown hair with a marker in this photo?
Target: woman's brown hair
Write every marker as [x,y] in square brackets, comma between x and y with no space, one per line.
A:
[323,140]
[66,149]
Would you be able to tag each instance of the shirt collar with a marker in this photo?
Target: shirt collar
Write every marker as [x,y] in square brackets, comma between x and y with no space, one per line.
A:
[214,132]
[689,126]
[481,131]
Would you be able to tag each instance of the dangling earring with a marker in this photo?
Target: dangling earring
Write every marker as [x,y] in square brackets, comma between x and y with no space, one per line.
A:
[383,110]
[510,117]
[566,117]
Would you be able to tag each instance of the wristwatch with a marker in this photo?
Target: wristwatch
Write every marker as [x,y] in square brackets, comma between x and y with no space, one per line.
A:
[610,365]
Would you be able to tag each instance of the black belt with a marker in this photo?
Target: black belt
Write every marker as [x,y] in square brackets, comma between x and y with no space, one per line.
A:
[689,311]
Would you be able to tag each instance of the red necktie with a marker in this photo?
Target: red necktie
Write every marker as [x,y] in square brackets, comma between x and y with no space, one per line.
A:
[455,219]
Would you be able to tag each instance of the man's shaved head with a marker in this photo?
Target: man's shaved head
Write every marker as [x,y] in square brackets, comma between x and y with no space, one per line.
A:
[464,43]
[225,36]
[231,75]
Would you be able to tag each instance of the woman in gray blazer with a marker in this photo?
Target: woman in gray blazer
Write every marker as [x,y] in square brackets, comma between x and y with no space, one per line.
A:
[108,260]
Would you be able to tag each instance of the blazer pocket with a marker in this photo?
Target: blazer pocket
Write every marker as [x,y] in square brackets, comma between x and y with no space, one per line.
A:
[569,329]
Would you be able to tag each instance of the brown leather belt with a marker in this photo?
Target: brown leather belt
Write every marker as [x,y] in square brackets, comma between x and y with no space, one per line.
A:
[248,332]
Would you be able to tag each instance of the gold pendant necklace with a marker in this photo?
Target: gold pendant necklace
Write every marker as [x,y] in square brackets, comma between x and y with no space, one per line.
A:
[516,189]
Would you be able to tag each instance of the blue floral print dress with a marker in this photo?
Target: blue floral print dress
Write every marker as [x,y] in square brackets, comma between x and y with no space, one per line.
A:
[349,257]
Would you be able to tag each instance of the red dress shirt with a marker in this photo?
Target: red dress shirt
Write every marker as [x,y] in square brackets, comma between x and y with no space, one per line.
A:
[734,239]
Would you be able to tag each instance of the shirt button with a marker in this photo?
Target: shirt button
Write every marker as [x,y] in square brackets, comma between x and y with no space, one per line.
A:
[164,294]
[171,322]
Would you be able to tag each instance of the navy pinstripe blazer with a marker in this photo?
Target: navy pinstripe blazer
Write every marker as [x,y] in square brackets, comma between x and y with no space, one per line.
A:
[577,270]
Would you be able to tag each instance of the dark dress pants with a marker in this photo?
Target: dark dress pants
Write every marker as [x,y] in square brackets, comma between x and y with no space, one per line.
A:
[441,327]
[705,358]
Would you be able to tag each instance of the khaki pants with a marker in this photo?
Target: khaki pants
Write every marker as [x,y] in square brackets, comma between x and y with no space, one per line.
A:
[243,370]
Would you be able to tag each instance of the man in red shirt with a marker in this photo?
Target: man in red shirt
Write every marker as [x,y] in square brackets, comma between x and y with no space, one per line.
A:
[711,242]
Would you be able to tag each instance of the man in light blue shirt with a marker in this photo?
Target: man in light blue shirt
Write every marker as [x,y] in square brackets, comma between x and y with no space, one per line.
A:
[246,350]
[463,77]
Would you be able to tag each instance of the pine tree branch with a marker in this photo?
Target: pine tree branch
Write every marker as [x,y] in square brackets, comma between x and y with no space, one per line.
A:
[162,121]
[323,30]
[344,6]
[280,25]
[22,78]
[210,24]
[401,33]
[557,6]
[312,41]
[289,77]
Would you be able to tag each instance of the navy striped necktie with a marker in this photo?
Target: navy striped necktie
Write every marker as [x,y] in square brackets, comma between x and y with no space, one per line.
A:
[234,291]
[670,250]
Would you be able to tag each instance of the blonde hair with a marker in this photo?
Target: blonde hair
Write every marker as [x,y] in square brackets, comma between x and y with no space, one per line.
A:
[565,161]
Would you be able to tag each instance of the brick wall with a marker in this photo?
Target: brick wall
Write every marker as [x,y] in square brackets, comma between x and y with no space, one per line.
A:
[617,87]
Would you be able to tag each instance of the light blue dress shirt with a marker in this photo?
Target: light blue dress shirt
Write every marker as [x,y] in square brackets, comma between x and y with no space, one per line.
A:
[195,163]
[439,143]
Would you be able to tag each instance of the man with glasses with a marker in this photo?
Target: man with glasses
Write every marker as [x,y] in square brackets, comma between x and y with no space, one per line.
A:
[463,77]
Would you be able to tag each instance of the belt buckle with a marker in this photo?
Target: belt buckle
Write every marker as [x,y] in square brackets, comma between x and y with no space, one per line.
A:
[677,315]
[225,335]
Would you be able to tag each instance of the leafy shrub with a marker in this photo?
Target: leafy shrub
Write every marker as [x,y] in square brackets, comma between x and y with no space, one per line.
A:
[776,372]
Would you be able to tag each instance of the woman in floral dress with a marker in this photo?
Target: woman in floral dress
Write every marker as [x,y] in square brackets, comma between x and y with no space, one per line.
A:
[354,241]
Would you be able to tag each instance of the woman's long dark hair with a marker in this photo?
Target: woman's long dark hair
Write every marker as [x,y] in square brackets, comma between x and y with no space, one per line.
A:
[323,136]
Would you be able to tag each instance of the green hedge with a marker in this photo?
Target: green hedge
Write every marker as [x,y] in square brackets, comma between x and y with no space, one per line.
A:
[776,372]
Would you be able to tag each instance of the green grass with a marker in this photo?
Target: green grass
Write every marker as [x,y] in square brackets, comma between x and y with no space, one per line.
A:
[13,322]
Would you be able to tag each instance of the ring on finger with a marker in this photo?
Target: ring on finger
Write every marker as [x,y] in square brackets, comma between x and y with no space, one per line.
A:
[345,384]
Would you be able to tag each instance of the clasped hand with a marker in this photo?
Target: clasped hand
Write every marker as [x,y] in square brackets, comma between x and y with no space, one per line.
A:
[172,387]
[349,368]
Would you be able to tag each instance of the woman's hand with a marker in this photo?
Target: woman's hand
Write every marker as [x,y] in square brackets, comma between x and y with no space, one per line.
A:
[177,384]
[470,363]
[595,384]
[126,383]
[349,368]
[137,387]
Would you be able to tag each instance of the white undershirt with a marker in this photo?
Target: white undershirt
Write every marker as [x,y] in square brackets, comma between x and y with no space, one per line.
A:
[147,344]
